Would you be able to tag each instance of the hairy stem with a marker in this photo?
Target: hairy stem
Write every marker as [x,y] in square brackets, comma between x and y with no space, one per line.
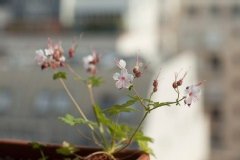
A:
[92,99]
[74,72]
[73,99]
[134,133]
[141,102]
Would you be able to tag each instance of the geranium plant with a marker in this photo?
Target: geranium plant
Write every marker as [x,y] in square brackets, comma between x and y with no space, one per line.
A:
[111,136]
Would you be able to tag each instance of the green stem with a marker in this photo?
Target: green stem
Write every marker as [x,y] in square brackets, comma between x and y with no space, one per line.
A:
[134,133]
[73,100]
[141,102]
[167,103]
[74,72]
[92,99]
[94,134]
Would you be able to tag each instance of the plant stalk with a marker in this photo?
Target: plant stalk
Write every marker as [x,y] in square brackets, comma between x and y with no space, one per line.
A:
[134,133]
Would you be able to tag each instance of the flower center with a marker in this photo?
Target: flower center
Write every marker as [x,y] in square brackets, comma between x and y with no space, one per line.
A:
[122,78]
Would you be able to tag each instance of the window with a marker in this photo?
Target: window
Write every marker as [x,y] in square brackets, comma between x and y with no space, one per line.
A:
[235,11]
[214,10]
[192,11]
[108,99]
[60,102]
[215,62]
[42,102]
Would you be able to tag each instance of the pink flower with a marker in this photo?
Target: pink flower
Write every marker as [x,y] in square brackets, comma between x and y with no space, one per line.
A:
[90,62]
[40,57]
[72,50]
[51,57]
[192,93]
[124,79]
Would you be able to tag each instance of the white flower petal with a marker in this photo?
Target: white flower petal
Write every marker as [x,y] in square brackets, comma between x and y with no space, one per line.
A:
[40,57]
[119,84]
[126,84]
[48,52]
[130,77]
[62,59]
[196,89]
[124,72]
[116,76]
[188,100]
[121,64]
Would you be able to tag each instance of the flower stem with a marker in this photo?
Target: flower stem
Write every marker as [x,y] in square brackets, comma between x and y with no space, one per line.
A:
[94,134]
[73,99]
[74,72]
[92,99]
[141,102]
[134,133]
[168,103]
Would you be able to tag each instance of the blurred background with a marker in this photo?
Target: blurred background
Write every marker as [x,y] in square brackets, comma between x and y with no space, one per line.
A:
[158,31]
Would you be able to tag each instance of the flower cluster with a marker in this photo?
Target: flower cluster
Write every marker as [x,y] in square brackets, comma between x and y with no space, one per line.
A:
[51,57]
[121,135]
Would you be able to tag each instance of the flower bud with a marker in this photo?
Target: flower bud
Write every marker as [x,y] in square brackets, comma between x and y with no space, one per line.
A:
[154,89]
[71,52]
[137,72]
[179,82]
[44,65]
[174,85]
[155,83]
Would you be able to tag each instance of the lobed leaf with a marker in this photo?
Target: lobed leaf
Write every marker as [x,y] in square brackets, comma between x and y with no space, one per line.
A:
[67,149]
[119,108]
[72,121]
[59,75]
[95,81]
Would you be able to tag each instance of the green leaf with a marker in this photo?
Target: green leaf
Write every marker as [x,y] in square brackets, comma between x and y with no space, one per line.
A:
[101,116]
[141,137]
[143,145]
[36,145]
[143,141]
[72,121]
[158,104]
[95,81]
[114,110]
[119,108]
[67,149]
[119,131]
[58,75]
[130,88]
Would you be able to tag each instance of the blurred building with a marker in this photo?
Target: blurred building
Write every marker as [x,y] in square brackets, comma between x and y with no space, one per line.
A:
[211,29]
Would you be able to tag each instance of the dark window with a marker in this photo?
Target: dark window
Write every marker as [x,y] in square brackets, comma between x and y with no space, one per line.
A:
[215,62]
[235,11]
[215,10]
[192,11]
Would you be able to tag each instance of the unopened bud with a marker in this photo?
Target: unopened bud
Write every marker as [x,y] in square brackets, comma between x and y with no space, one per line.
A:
[179,83]
[155,83]
[45,65]
[174,85]
[155,89]
[71,52]
[137,72]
